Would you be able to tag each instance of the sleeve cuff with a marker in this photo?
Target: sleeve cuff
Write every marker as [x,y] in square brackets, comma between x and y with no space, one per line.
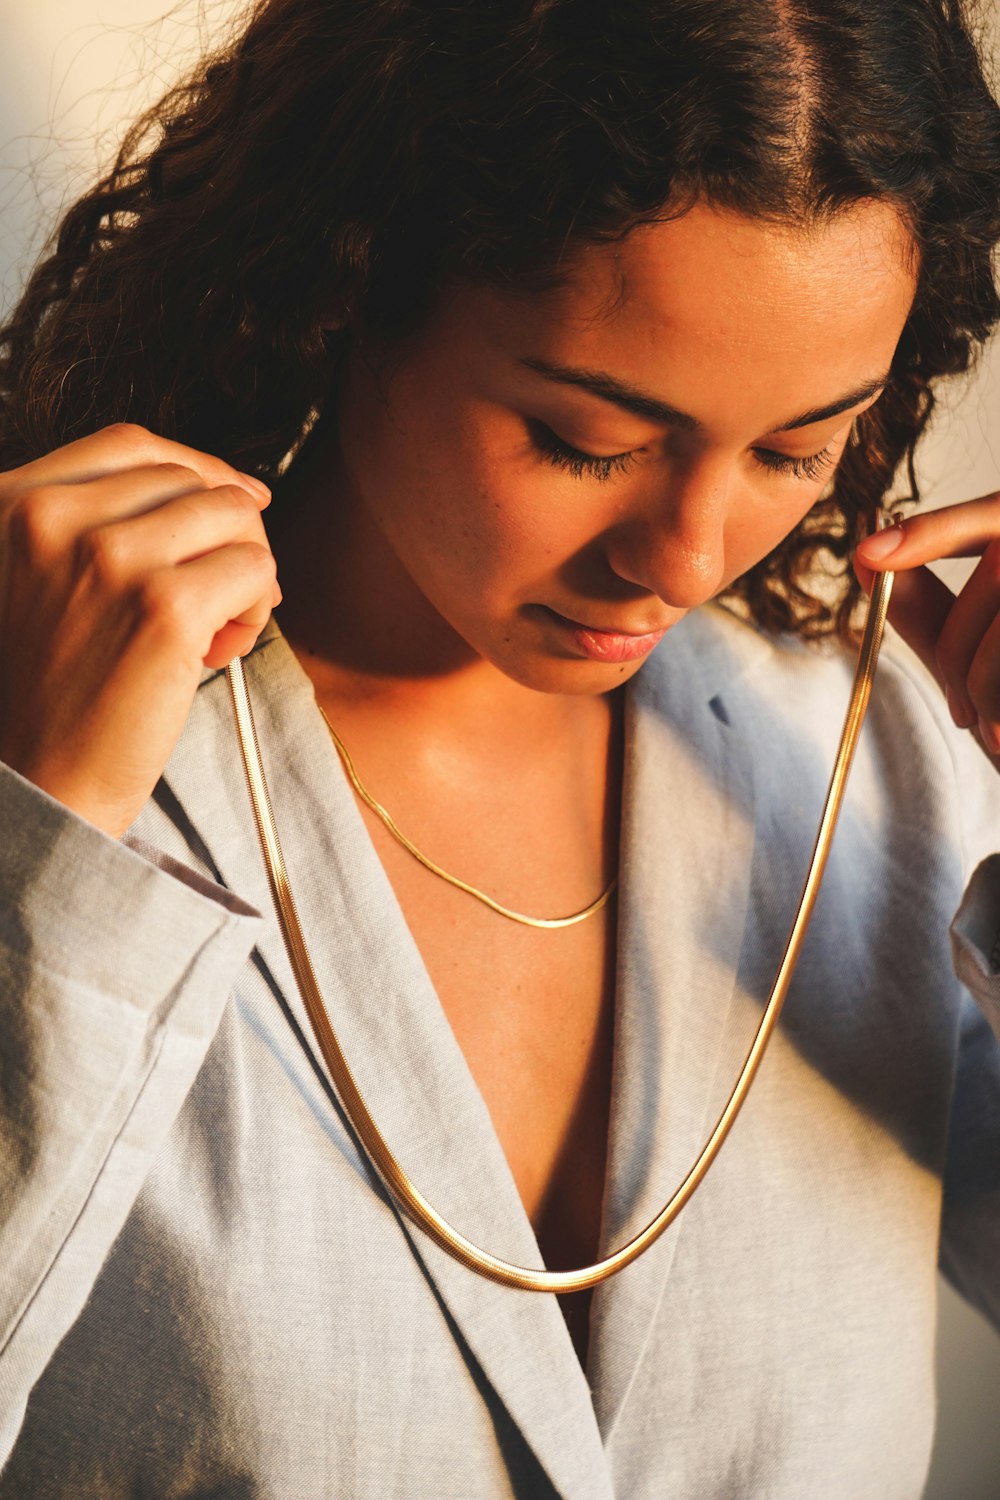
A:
[124,914]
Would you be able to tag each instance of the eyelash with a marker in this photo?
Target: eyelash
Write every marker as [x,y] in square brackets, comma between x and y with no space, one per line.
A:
[574,460]
[578,463]
[812,467]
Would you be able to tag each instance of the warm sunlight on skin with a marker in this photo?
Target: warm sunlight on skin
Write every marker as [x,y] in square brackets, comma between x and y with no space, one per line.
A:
[465,536]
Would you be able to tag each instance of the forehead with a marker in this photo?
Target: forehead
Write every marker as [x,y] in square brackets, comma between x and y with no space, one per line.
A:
[715,280]
[738,322]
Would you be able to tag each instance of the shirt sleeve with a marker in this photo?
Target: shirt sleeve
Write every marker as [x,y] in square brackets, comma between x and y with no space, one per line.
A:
[114,973]
[970,1227]
[970,1238]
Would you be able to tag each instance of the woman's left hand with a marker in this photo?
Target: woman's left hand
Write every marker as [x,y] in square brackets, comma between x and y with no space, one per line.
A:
[956,637]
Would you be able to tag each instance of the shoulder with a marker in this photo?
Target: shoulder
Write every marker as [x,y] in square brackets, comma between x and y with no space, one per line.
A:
[786,699]
[810,682]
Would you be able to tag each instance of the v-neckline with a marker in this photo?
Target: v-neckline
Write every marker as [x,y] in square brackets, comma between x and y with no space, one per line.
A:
[404,931]
[376,847]
[678,753]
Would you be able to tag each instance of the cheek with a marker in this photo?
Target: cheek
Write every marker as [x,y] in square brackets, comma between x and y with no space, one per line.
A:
[756,528]
[459,510]
[485,493]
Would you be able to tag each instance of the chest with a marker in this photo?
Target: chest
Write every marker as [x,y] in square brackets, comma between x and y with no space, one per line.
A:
[530,1006]
[532,1011]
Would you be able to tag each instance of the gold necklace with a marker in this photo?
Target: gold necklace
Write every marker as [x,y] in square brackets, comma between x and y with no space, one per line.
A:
[405,1192]
[428,864]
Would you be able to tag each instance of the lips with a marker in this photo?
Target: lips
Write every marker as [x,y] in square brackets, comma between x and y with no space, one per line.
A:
[600,644]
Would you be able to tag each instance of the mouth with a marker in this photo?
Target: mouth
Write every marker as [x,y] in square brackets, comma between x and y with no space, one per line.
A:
[598,643]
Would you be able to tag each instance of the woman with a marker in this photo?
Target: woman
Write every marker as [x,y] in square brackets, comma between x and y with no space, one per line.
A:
[546,325]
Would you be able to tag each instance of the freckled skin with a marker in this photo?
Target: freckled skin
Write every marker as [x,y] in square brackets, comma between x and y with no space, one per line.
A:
[449,528]
[432,538]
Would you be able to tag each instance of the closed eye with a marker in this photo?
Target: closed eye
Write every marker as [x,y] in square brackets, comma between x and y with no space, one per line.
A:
[602,467]
[812,467]
[574,460]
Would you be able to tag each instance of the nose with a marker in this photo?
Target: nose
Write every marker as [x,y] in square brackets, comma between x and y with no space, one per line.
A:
[673,543]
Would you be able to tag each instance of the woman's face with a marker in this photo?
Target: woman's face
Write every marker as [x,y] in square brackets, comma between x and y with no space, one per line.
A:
[553,479]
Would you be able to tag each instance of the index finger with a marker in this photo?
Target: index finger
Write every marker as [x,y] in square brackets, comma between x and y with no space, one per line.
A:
[964,530]
[112,450]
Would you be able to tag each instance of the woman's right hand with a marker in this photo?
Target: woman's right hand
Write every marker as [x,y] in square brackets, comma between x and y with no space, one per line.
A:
[127,564]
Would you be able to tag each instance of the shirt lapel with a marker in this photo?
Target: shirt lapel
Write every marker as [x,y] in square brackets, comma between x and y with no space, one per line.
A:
[687,844]
[395,1036]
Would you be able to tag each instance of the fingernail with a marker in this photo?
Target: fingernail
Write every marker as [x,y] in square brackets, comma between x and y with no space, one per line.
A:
[258,485]
[960,709]
[989,736]
[880,544]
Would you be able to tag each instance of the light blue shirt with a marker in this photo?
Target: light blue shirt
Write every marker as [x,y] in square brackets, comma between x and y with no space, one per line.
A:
[204,1291]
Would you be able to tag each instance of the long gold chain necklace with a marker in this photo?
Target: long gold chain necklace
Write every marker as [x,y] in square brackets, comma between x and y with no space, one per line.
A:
[407,1195]
[435,869]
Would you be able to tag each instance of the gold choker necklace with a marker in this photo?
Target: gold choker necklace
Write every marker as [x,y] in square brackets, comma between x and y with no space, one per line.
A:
[428,864]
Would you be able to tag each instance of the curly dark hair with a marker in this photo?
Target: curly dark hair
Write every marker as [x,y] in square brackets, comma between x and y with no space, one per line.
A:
[363,153]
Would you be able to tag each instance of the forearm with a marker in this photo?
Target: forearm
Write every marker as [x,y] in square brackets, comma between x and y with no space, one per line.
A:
[114,972]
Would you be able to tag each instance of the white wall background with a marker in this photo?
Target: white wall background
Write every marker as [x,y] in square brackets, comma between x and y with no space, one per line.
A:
[71,72]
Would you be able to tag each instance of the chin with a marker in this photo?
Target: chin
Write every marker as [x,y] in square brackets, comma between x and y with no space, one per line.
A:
[566,676]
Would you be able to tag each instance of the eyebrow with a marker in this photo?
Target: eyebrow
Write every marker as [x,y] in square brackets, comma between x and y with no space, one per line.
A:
[641,405]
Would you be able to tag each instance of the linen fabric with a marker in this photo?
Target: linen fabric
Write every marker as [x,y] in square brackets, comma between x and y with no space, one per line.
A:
[205,1292]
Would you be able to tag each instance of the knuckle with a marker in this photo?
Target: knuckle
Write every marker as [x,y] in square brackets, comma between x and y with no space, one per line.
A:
[128,430]
[33,525]
[162,606]
[171,469]
[102,552]
[130,434]
[237,498]
[262,560]
[983,687]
